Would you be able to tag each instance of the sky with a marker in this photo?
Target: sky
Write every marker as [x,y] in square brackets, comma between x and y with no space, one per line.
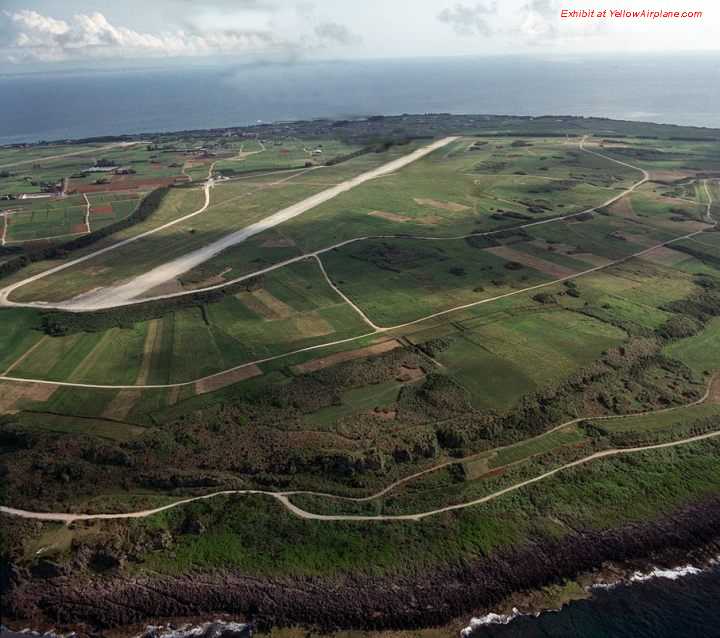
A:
[49,34]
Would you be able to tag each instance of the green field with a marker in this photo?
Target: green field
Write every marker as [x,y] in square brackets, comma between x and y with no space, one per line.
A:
[519,324]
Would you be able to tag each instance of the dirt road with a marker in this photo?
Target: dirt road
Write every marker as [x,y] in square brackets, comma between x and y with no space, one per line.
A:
[284,497]
[119,295]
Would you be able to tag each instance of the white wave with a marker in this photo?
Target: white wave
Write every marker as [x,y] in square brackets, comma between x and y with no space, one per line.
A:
[490,619]
[637,577]
[671,574]
[205,630]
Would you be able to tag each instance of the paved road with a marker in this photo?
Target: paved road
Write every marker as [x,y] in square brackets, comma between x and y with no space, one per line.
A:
[119,295]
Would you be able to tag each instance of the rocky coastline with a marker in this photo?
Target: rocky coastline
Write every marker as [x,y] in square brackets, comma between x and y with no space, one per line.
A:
[91,605]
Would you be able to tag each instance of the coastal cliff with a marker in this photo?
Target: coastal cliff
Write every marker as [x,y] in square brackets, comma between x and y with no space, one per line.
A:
[89,604]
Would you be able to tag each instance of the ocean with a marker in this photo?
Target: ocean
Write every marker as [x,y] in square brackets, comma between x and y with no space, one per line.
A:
[74,104]
[682,603]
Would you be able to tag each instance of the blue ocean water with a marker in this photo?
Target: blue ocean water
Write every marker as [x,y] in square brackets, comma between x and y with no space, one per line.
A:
[73,104]
[685,607]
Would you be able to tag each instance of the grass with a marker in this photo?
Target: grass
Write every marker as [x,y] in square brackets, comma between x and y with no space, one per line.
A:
[396,281]
[104,429]
[497,361]
[194,342]
[700,352]
[17,335]
[257,536]
[664,421]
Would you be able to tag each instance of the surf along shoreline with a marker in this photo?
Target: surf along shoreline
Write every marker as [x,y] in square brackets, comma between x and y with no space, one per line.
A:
[533,577]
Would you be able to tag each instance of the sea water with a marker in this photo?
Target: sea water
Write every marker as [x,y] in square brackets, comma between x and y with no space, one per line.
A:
[75,104]
[679,603]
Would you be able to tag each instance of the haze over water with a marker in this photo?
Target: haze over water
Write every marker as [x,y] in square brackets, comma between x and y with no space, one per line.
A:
[74,104]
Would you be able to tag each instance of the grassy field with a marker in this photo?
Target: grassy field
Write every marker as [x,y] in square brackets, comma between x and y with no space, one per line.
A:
[477,396]
[497,362]
[701,352]
[293,309]
[234,205]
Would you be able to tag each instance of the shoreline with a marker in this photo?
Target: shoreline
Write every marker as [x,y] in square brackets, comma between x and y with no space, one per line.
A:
[522,604]
[449,597]
[608,577]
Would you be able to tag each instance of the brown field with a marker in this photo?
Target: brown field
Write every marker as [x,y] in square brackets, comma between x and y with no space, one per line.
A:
[476,468]
[101,210]
[265,304]
[623,207]
[714,396]
[153,340]
[312,325]
[667,177]
[281,242]
[665,256]
[547,267]
[393,217]
[211,384]
[410,375]
[566,249]
[449,206]
[127,184]
[13,392]
[339,357]
[166,288]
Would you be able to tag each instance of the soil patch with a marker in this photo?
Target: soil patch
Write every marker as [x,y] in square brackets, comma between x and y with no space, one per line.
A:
[226,378]
[393,217]
[664,256]
[452,207]
[13,392]
[101,210]
[281,242]
[668,177]
[547,267]
[166,288]
[153,339]
[714,396]
[276,309]
[312,325]
[361,353]
[409,375]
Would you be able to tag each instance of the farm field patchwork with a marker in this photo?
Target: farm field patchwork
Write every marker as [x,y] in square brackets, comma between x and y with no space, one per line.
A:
[478,324]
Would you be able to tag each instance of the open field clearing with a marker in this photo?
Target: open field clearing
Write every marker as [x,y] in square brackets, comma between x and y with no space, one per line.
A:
[232,204]
[419,278]
[291,309]
[273,155]
[496,362]
[701,352]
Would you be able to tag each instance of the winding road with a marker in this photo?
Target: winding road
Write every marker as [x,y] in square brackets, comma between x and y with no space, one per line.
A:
[284,497]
